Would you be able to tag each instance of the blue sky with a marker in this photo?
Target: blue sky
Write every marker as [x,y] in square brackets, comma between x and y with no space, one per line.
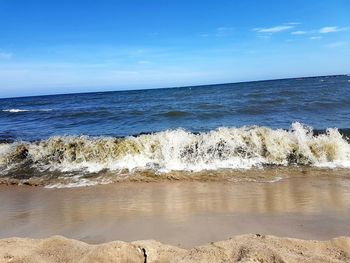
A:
[49,47]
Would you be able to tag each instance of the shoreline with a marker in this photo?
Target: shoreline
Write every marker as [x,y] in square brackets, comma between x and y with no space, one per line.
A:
[268,174]
[243,248]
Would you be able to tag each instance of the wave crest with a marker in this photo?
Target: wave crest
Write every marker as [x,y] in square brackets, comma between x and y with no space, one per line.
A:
[24,110]
[179,150]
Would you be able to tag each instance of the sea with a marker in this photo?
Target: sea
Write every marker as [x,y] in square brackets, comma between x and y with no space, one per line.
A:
[97,138]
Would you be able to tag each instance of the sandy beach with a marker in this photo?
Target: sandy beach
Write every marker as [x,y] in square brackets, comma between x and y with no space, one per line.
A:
[246,248]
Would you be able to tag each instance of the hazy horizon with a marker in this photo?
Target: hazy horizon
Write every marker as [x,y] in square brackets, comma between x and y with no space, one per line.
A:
[172,87]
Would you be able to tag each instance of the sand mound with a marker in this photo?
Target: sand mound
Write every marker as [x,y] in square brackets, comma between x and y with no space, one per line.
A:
[245,248]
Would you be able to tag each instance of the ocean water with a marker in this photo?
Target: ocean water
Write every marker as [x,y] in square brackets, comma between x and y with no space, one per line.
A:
[299,122]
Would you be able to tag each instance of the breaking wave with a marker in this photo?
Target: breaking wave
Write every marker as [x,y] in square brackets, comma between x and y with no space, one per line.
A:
[177,150]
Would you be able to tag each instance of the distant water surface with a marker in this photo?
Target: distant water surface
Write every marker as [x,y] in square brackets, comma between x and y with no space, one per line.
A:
[321,102]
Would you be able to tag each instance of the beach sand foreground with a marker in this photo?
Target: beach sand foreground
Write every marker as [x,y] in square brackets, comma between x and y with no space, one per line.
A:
[187,216]
[244,248]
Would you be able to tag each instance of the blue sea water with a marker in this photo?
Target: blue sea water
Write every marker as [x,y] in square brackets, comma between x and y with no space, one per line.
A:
[320,102]
[75,139]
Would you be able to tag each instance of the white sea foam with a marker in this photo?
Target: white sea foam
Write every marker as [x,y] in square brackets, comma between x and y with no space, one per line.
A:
[276,179]
[24,110]
[77,182]
[179,150]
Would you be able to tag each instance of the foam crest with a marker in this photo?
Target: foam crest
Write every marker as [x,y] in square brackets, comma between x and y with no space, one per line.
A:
[179,150]
[24,110]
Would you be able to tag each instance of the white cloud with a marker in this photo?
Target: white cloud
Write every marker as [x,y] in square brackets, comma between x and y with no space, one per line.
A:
[299,32]
[332,29]
[4,55]
[275,29]
[337,44]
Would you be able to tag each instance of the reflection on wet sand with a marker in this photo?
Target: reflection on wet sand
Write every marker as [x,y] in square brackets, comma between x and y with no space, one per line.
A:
[186,213]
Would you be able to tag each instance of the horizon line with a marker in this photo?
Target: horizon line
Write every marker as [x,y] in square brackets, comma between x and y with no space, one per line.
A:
[175,87]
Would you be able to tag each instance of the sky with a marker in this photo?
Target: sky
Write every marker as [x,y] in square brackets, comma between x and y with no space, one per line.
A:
[51,47]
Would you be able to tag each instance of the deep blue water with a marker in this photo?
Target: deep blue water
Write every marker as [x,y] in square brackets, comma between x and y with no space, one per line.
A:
[320,102]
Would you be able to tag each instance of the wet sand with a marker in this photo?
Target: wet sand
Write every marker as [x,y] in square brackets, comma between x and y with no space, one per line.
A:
[184,214]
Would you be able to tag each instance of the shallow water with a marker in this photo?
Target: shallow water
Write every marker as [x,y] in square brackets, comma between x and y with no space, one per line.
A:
[181,213]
